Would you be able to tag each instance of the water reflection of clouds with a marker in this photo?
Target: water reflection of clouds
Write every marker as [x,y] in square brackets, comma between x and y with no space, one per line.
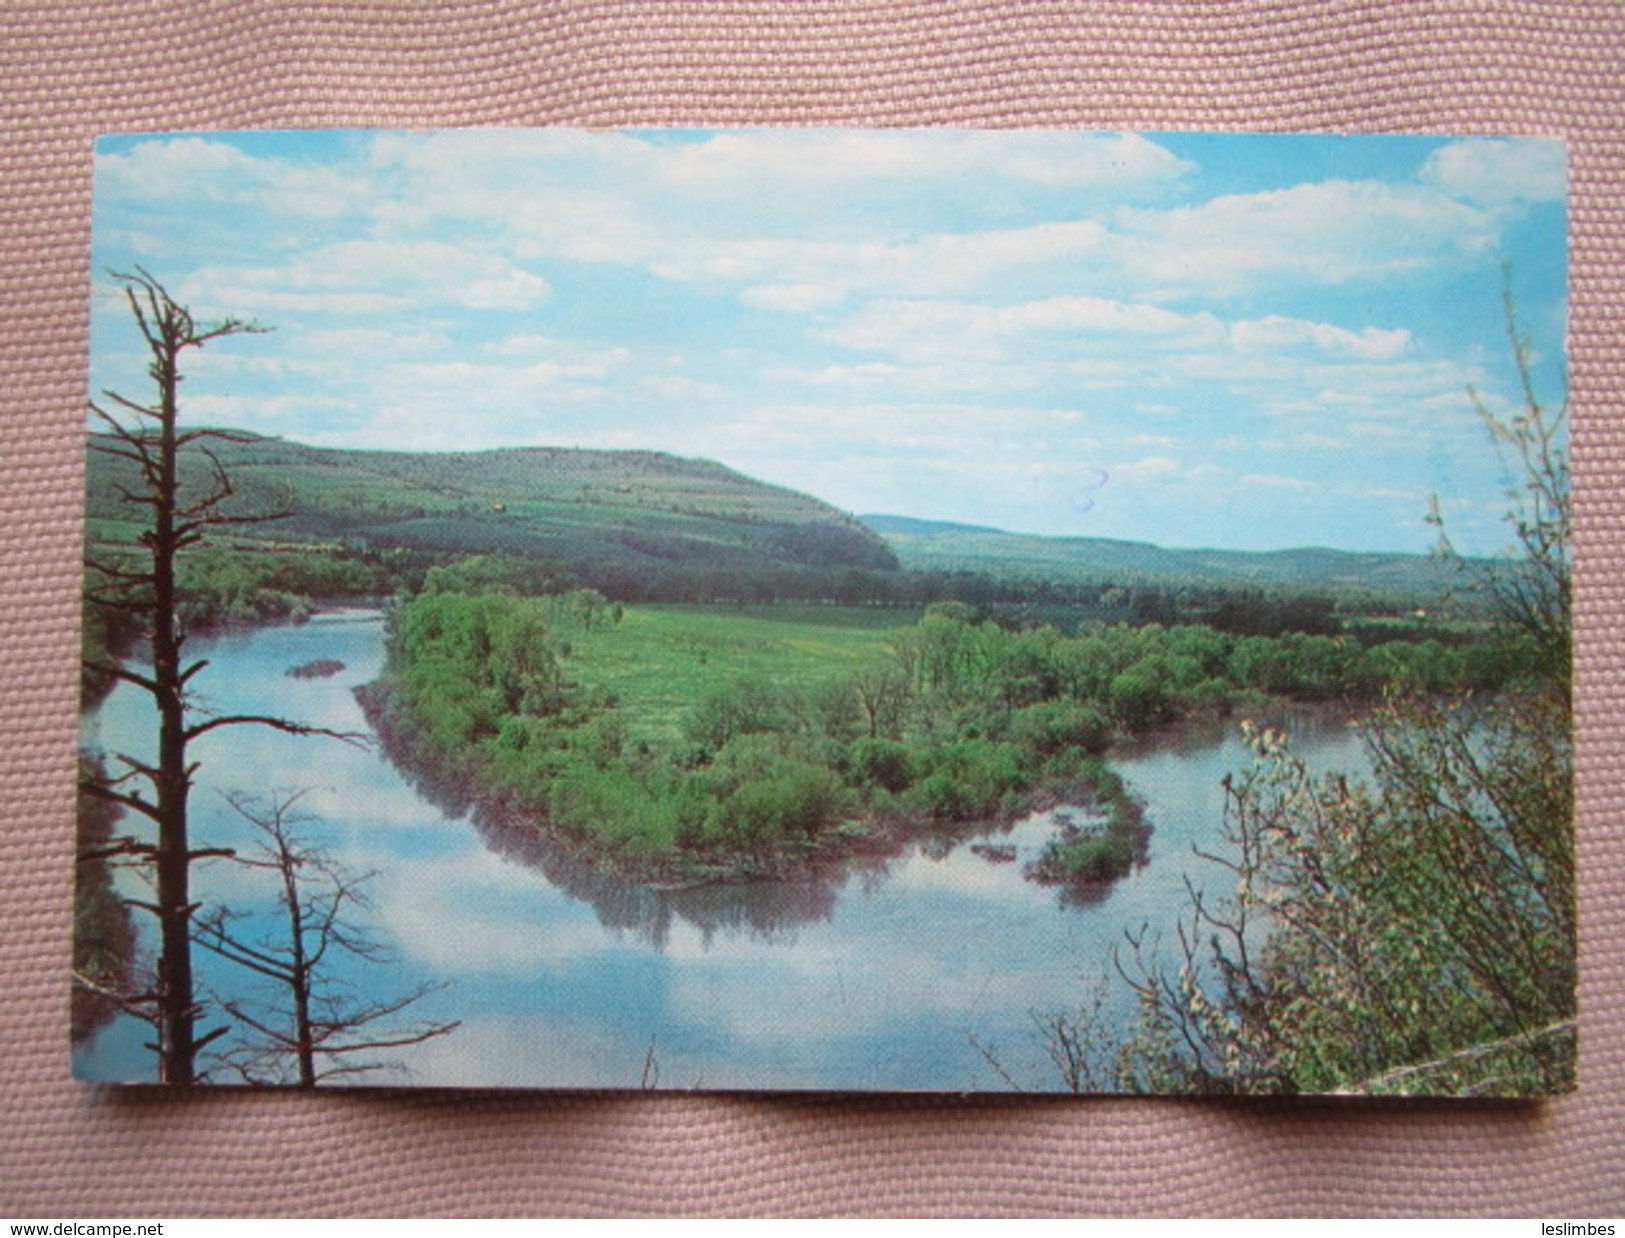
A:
[565,975]
[474,912]
[453,939]
[889,1025]
[769,912]
[505,1050]
[964,872]
[729,1013]
[836,1003]
[493,1050]
[872,973]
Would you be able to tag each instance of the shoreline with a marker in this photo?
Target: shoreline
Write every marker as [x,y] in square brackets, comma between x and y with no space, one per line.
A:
[881,835]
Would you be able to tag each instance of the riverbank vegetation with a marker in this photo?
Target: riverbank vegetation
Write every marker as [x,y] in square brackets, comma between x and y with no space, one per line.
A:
[1411,932]
[683,740]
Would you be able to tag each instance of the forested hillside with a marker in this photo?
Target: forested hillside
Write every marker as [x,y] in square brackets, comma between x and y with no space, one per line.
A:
[935,546]
[638,514]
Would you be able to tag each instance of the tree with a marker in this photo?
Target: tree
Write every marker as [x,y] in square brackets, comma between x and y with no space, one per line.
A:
[103,928]
[175,513]
[1536,597]
[319,1031]
[1413,931]
[882,693]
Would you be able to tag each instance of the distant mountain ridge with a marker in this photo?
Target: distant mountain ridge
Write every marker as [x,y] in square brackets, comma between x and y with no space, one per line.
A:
[929,545]
[619,515]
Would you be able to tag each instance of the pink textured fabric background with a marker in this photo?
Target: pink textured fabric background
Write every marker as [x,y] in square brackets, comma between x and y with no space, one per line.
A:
[71,70]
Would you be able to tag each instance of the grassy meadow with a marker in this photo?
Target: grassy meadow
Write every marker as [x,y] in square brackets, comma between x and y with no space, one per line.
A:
[658,659]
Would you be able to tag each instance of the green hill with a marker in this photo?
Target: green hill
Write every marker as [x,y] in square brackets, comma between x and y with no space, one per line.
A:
[628,509]
[927,545]
[648,524]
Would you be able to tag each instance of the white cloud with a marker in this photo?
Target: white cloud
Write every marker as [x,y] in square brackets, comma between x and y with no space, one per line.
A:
[291,414]
[883,429]
[799,219]
[1306,236]
[1320,442]
[370,342]
[1274,333]
[1128,163]
[929,329]
[1274,481]
[1396,387]
[558,191]
[862,315]
[451,273]
[437,394]
[1328,232]
[1146,468]
[364,279]
[794,298]
[173,168]
[810,275]
[1499,171]
[571,356]
[183,169]
[668,389]
[1080,343]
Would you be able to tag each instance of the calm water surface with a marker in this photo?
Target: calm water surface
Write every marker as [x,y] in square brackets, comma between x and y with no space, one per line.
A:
[888,977]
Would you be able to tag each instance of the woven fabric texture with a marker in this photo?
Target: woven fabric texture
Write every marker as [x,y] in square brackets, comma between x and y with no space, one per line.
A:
[69,71]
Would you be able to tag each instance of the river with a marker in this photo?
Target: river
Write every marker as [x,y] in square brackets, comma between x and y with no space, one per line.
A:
[905,973]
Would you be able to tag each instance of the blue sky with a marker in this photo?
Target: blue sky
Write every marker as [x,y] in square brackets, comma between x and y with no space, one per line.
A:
[1250,342]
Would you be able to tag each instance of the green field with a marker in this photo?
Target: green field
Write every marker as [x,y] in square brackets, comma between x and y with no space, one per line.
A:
[660,659]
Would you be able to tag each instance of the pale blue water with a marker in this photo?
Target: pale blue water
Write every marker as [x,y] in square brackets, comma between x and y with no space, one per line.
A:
[887,978]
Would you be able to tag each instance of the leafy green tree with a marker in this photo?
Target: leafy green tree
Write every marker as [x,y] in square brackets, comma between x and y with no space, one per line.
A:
[742,707]
[882,694]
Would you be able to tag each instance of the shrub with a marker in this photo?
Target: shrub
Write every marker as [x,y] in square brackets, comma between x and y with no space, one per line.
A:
[1102,855]
[741,708]
[1139,698]
[943,798]
[603,740]
[880,763]
[796,801]
[1045,730]
[615,807]
[968,779]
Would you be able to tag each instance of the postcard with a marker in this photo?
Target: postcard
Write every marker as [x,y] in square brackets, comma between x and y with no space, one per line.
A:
[827,609]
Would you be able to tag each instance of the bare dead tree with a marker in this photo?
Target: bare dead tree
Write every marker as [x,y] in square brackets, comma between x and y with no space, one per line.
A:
[314,1025]
[105,975]
[1080,1044]
[175,515]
